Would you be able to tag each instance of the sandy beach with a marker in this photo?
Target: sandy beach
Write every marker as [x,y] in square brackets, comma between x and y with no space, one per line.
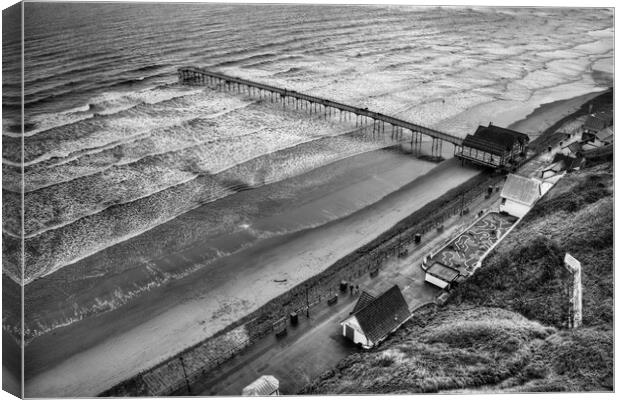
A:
[215,297]
[161,212]
[233,288]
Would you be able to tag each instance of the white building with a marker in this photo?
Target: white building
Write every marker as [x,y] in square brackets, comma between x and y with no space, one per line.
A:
[441,275]
[266,385]
[374,318]
[519,195]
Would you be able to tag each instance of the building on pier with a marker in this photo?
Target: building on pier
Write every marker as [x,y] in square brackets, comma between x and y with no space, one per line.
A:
[494,146]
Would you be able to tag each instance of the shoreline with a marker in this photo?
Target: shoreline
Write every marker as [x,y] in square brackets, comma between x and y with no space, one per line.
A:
[379,220]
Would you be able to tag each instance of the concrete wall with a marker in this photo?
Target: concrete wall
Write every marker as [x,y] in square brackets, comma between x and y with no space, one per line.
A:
[435,281]
[358,335]
[513,208]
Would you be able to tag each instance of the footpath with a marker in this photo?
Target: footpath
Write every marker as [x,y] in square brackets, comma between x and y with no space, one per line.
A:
[316,344]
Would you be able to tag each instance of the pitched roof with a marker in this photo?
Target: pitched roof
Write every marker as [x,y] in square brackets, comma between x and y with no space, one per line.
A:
[498,133]
[365,299]
[494,139]
[605,134]
[383,314]
[443,272]
[263,386]
[521,189]
[605,115]
[568,162]
[574,147]
[597,121]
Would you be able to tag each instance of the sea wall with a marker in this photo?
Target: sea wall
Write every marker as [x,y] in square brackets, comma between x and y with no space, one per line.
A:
[168,378]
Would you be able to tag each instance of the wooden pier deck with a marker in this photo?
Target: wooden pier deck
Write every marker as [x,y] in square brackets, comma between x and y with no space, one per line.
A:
[363,116]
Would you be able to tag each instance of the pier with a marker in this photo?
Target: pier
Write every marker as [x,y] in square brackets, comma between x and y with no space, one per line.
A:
[399,129]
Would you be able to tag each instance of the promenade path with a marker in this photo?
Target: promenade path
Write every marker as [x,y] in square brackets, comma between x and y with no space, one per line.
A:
[316,344]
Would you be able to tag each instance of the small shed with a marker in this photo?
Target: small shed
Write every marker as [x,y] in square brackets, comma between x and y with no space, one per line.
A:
[552,170]
[605,136]
[575,149]
[266,385]
[441,275]
[562,163]
[519,195]
[374,318]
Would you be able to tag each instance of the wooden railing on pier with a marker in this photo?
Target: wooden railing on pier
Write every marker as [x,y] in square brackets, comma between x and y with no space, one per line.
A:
[195,74]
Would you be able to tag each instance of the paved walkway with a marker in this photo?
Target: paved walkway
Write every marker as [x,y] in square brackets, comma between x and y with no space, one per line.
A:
[316,344]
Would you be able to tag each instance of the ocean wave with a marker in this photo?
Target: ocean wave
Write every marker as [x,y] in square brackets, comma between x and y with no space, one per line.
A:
[119,222]
[207,151]
[172,133]
[110,117]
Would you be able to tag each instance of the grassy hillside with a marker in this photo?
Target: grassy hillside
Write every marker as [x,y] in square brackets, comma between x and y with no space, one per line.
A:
[505,328]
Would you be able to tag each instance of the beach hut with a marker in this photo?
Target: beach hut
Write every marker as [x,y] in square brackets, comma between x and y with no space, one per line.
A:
[441,275]
[519,195]
[493,146]
[266,385]
[561,163]
[374,318]
[603,137]
[573,149]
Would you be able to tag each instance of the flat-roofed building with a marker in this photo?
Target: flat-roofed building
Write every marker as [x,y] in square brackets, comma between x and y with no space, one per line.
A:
[441,275]
[493,146]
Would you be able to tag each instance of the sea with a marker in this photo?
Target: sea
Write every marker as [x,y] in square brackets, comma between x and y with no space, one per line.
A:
[124,168]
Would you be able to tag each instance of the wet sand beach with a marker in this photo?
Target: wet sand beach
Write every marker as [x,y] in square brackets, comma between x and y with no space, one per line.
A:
[243,281]
[133,338]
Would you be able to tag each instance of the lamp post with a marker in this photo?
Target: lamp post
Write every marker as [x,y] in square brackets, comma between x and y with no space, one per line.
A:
[189,390]
[307,303]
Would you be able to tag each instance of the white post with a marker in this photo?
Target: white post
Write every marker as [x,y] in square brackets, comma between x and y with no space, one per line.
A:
[574,267]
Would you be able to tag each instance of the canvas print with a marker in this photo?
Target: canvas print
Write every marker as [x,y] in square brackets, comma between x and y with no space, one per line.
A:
[206,199]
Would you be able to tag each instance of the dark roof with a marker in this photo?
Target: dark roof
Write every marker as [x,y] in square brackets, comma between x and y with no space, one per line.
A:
[574,147]
[555,167]
[365,299]
[605,115]
[383,314]
[521,189]
[443,272]
[599,120]
[495,139]
[569,162]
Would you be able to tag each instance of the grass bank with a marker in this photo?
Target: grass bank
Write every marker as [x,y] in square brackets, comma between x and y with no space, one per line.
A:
[504,329]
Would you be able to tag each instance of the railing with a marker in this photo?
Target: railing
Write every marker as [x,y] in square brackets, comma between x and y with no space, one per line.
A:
[326,103]
[175,378]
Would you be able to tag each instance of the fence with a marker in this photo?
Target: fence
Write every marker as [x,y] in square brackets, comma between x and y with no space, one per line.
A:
[178,374]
